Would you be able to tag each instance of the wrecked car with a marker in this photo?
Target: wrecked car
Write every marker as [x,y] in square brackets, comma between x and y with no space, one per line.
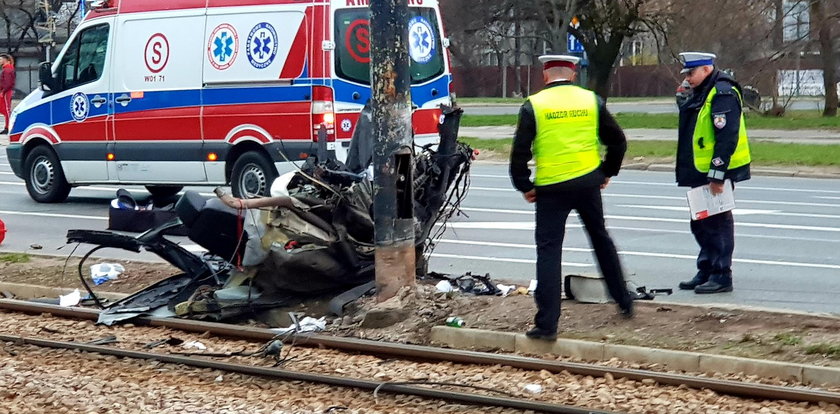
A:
[313,237]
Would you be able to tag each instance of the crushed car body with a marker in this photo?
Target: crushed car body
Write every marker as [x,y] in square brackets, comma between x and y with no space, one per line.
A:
[313,238]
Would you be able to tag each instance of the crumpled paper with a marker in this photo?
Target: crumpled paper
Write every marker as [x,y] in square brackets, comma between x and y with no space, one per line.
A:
[307,324]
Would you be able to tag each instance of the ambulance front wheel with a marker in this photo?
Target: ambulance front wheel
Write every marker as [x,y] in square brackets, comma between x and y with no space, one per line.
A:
[44,177]
[252,176]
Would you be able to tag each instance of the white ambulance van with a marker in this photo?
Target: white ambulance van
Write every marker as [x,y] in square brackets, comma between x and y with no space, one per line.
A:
[167,93]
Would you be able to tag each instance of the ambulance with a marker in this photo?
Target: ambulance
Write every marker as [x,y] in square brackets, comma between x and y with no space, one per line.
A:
[168,93]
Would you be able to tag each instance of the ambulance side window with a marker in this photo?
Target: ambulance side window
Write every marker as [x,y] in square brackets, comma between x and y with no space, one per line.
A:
[85,58]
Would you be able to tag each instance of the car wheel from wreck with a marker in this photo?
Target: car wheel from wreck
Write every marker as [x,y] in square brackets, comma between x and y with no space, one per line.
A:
[252,176]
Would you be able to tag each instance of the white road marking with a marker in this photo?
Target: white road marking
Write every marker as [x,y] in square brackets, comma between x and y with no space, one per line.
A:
[98,188]
[644,254]
[674,185]
[739,235]
[51,215]
[502,225]
[502,259]
[737,211]
[681,198]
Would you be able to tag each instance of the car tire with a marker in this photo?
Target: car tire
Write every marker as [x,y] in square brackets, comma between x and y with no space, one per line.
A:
[163,191]
[44,176]
[252,176]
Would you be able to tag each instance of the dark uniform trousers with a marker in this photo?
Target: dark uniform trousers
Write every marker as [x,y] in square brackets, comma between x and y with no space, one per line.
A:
[716,237]
[553,209]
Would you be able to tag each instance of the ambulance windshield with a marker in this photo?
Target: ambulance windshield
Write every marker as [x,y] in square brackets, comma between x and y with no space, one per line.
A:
[352,34]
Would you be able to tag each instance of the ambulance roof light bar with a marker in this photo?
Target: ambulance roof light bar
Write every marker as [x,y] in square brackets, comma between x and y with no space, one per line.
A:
[100,5]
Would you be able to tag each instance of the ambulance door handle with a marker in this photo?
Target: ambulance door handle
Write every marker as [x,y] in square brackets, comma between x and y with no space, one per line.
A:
[97,101]
[123,99]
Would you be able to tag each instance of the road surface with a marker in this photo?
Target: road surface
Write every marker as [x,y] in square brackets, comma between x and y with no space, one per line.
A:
[788,234]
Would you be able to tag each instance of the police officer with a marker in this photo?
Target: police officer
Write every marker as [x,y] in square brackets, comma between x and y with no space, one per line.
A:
[712,147]
[565,126]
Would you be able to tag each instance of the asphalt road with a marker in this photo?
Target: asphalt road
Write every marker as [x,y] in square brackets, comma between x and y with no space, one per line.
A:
[654,107]
[785,257]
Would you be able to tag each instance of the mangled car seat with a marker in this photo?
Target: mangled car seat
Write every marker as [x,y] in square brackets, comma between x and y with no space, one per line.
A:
[213,225]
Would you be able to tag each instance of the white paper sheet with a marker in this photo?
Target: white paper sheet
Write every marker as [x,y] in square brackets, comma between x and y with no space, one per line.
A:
[703,204]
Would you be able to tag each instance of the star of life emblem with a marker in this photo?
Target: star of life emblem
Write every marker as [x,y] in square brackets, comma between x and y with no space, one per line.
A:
[79,106]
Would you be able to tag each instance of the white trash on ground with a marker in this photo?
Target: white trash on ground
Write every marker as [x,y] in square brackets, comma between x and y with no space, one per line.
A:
[71,299]
[103,272]
[444,286]
[307,324]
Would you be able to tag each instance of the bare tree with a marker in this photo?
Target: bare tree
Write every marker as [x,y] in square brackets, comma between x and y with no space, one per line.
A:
[824,23]
[20,20]
[604,25]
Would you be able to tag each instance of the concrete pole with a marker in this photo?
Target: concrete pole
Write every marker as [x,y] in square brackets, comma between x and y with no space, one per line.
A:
[393,199]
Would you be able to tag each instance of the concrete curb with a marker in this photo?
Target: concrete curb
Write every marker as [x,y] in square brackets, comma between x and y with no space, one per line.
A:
[484,340]
[35,291]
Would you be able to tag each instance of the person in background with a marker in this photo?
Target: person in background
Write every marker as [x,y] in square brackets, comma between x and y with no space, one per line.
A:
[562,128]
[7,88]
[712,147]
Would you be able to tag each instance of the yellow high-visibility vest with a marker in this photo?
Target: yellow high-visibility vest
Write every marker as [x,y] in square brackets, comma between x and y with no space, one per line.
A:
[567,144]
[704,138]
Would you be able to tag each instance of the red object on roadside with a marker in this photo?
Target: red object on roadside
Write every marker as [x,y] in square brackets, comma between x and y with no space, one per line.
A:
[2,231]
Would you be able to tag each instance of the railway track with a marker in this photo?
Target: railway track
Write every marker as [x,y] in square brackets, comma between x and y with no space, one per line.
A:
[753,391]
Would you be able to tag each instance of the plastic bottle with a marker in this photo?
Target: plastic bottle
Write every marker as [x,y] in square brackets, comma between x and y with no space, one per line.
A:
[455,322]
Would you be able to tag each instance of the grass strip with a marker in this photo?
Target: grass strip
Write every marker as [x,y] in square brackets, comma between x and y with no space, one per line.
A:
[793,120]
[763,153]
[14,258]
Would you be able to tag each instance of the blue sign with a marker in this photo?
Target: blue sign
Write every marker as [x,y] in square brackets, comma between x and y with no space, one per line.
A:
[572,44]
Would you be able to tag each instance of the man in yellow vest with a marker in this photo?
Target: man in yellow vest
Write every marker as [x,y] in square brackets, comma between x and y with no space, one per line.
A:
[712,148]
[562,128]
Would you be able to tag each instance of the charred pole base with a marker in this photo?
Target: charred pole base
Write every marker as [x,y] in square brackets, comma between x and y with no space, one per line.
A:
[393,203]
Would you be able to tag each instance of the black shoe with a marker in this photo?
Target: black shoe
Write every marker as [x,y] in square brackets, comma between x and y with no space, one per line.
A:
[697,280]
[713,287]
[4,132]
[541,334]
[627,311]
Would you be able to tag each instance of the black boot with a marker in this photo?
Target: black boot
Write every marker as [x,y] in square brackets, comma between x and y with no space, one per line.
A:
[718,283]
[543,334]
[626,310]
[698,279]
[4,132]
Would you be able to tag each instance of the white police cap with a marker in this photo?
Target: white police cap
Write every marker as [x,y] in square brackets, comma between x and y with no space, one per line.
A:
[691,60]
[551,61]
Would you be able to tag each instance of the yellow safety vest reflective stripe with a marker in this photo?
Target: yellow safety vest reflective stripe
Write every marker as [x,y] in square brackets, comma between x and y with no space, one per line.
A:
[704,138]
[566,145]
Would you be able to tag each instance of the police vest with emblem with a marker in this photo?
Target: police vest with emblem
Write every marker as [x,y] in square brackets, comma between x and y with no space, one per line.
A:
[704,138]
[566,145]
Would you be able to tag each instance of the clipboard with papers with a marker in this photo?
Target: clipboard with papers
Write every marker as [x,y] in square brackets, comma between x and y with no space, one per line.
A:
[702,203]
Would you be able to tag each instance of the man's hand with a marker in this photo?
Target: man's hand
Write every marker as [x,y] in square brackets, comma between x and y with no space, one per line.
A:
[606,183]
[530,196]
[716,187]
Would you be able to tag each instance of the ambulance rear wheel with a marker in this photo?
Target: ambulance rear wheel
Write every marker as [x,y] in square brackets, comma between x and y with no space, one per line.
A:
[252,176]
[44,177]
